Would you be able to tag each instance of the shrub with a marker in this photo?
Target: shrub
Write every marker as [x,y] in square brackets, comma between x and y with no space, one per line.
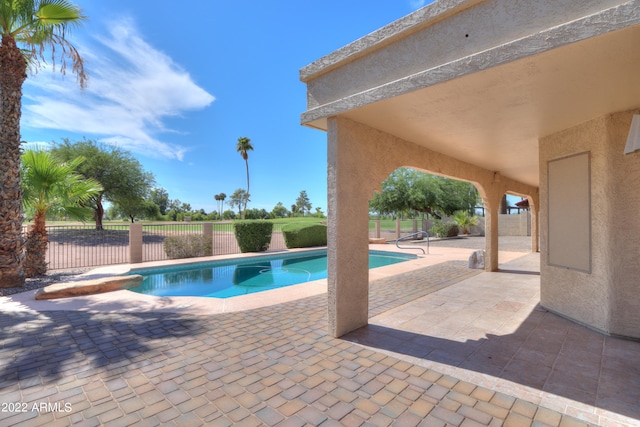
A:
[304,235]
[445,229]
[464,220]
[253,236]
[188,246]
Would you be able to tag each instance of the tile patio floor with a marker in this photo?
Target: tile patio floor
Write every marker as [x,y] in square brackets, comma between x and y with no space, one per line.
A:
[445,346]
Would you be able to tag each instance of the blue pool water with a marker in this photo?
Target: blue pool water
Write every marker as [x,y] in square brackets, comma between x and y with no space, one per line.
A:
[224,279]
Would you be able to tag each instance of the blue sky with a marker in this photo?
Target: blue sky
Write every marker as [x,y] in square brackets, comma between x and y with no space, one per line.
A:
[177,84]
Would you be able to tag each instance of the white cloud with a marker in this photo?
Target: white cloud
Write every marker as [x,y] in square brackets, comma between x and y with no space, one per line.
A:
[133,88]
[417,4]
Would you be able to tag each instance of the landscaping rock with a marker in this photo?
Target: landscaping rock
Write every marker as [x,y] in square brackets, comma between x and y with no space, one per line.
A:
[88,287]
[476,259]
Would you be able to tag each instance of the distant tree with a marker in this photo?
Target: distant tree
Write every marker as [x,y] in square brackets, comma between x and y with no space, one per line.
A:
[239,199]
[228,214]
[135,202]
[51,186]
[408,190]
[456,195]
[136,209]
[256,214]
[302,202]
[319,213]
[27,28]
[118,172]
[278,211]
[160,197]
[177,209]
[243,147]
[220,199]
[179,206]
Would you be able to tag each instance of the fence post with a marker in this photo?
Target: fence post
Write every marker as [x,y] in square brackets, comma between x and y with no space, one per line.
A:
[207,233]
[135,243]
[377,222]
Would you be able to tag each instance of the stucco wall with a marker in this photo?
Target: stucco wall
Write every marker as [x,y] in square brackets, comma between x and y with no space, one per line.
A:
[508,225]
[624,195]
[607,298]
[514,225]
[442,32]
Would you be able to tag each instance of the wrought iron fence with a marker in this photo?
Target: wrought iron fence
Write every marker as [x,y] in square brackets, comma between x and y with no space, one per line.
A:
[394,229]
[73,246]
[80,246]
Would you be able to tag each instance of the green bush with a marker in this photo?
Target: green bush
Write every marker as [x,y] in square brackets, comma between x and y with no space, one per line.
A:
[445,229]
[188,246]
[465,220]
[253,236]
[304,235]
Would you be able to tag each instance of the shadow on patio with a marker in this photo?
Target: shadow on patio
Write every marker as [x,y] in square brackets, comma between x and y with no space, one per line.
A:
[490,329]
[48,346]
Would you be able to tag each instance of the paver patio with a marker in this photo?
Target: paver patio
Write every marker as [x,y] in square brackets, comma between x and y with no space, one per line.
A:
[417,363]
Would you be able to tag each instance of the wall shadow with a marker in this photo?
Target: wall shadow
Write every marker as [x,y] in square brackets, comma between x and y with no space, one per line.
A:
[546,352]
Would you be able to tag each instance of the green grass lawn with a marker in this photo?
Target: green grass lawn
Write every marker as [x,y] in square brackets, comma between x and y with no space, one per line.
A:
[390,224]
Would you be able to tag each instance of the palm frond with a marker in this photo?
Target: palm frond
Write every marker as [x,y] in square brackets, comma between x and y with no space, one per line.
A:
[42,26]
[50,185]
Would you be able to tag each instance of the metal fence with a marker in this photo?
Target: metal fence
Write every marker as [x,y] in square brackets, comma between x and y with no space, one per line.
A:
[395,229]
[81,246]
[73,246]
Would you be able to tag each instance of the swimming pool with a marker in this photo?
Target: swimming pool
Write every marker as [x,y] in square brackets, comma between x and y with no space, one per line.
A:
[229,278]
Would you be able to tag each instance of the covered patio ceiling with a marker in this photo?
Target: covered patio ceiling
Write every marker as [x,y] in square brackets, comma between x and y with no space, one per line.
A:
[495,116]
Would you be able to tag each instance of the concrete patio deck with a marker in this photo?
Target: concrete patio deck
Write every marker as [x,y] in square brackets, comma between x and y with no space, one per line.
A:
[445,346]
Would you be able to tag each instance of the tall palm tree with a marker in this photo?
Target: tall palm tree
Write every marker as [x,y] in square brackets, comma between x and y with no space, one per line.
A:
[27,28]
[49,185]
[244,145]
[220,198]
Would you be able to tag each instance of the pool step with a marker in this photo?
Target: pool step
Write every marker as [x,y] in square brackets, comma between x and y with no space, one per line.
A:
[88,287]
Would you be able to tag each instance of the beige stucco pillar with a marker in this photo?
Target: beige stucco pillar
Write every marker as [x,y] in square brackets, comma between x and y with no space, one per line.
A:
[492,208]
[348,229]
[534,206]
[135,243]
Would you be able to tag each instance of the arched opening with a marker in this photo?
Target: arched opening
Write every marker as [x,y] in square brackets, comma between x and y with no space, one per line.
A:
[411,204]
[515,228]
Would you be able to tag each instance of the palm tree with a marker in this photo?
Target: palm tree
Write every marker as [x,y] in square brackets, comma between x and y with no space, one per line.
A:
[220,199]
[464,220]
[244,145]
[27,28]
[47,186]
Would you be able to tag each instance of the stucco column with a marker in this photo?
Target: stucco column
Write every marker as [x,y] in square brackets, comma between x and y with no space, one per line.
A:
[207,233]
[348,229]
[492,206]
[534,205]
[135,243]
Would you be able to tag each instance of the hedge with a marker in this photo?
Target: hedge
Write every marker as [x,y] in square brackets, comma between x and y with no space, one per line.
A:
[304,235]
[188,246]
[253,236]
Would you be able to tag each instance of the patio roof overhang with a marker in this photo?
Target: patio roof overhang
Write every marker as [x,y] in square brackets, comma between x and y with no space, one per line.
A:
[485,99]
